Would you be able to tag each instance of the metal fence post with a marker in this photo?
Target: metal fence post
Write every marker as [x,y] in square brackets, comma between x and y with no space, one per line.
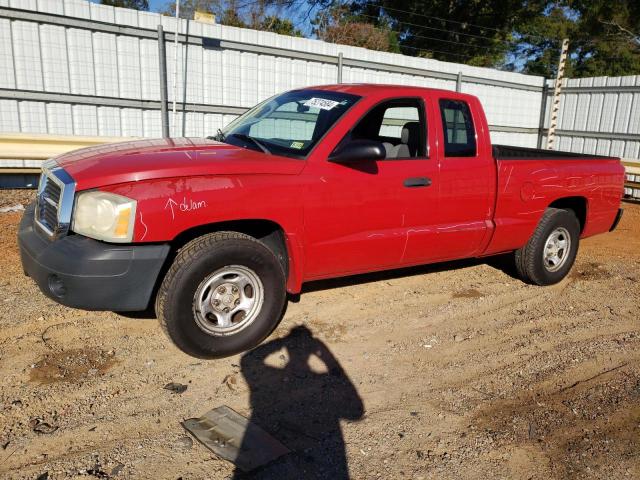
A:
[459,82]
[185,79]
[164,108]
[555,104]
[340,67]
[543,112]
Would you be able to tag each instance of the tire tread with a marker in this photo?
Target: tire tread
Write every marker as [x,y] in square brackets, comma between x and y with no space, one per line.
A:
[525,258]
[187,254]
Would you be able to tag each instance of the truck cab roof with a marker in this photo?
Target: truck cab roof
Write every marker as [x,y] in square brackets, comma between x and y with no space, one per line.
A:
[368,89]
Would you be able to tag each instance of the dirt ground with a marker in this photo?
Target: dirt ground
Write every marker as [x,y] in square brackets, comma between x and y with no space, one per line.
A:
[456,371]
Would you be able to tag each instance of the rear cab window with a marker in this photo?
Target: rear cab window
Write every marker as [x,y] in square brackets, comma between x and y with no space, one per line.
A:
[458,129]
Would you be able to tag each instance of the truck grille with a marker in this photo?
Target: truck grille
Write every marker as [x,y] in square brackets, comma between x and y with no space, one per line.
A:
[49,204]
[55,200]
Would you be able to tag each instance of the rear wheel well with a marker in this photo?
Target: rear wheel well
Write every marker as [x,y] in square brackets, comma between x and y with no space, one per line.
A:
[576,204]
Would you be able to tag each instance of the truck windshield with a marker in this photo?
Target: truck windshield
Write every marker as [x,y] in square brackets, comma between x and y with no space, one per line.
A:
[290,124]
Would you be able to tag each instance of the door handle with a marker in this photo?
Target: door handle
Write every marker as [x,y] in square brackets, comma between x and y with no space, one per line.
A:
[417,182]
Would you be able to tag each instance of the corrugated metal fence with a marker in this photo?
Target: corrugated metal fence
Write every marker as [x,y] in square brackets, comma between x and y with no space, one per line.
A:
[72,67]
[600,115]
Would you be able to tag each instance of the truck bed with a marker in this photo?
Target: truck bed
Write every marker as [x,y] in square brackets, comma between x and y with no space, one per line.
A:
[508,152]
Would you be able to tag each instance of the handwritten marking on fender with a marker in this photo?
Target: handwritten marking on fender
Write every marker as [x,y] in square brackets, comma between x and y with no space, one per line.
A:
[145,227]
[170,204]
[187,205]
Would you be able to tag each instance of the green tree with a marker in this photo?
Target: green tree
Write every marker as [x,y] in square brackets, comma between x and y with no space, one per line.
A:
[135,4]
[609,43]
[604,38]
[477,32]
[344,25]
[258,15]
[539,40]
[278,25]
[520,35]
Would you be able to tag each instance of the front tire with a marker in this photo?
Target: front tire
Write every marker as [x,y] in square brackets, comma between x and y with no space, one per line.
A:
[551,251]
[224,293]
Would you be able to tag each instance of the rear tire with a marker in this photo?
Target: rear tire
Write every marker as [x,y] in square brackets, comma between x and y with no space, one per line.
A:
[551,251]
[224,293]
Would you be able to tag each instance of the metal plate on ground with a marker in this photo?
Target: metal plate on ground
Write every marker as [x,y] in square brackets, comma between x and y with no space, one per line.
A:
[232,437]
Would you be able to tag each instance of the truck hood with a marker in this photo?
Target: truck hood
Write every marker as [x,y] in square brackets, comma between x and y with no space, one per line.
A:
[135,161]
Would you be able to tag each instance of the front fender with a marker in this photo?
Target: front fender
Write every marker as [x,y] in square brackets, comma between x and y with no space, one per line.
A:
[168,207]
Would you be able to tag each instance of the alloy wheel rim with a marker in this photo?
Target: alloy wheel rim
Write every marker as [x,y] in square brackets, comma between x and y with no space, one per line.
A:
[228,300]
[556,249]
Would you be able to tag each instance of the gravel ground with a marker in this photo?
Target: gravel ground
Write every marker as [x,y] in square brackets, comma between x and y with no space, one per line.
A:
[444,372]
[12,198]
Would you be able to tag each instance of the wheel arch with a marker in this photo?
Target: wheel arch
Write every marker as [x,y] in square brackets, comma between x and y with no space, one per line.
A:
[267,231]
[578,204]
[285,247]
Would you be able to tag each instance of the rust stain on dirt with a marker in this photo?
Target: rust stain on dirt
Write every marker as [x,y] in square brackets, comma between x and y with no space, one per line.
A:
[333,332]
[71,365]
[469,293]
[590,271]
[560,424]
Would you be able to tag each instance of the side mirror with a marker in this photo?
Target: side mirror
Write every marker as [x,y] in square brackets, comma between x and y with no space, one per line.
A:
[357,150]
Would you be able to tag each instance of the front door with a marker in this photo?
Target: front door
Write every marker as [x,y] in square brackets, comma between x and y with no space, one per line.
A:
[356,218]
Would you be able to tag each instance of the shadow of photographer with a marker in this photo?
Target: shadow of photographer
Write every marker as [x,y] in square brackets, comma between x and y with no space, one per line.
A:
[300,393]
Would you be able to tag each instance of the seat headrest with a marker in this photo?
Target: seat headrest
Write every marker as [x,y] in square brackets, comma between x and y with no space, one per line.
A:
[411,130]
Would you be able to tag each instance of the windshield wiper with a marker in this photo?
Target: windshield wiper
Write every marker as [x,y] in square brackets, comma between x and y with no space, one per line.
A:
[255,141]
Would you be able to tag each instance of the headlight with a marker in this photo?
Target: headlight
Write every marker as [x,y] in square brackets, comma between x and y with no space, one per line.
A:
[104,216]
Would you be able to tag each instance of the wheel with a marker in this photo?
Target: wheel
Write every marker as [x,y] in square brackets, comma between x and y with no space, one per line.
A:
[550,252]
[223,294]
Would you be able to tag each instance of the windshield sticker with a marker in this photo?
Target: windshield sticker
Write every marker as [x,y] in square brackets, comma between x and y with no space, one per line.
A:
[321,103]
[297,145]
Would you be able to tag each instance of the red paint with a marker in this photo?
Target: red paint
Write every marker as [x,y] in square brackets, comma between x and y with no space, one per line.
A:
[340,220]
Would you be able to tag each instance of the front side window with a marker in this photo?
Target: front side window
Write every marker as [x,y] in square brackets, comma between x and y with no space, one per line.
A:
[394,120]
[289,124]
[398,124]
[457,126]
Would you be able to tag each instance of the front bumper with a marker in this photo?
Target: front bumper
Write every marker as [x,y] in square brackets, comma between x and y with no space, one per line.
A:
[80,272]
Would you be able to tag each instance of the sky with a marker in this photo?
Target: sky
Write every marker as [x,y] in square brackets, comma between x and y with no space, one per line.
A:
[155,5]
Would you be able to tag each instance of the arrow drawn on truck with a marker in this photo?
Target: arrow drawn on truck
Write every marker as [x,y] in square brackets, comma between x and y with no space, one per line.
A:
[170,204]
[186,205]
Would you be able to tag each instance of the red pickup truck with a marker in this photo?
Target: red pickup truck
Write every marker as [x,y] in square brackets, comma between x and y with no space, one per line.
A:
[310,184]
